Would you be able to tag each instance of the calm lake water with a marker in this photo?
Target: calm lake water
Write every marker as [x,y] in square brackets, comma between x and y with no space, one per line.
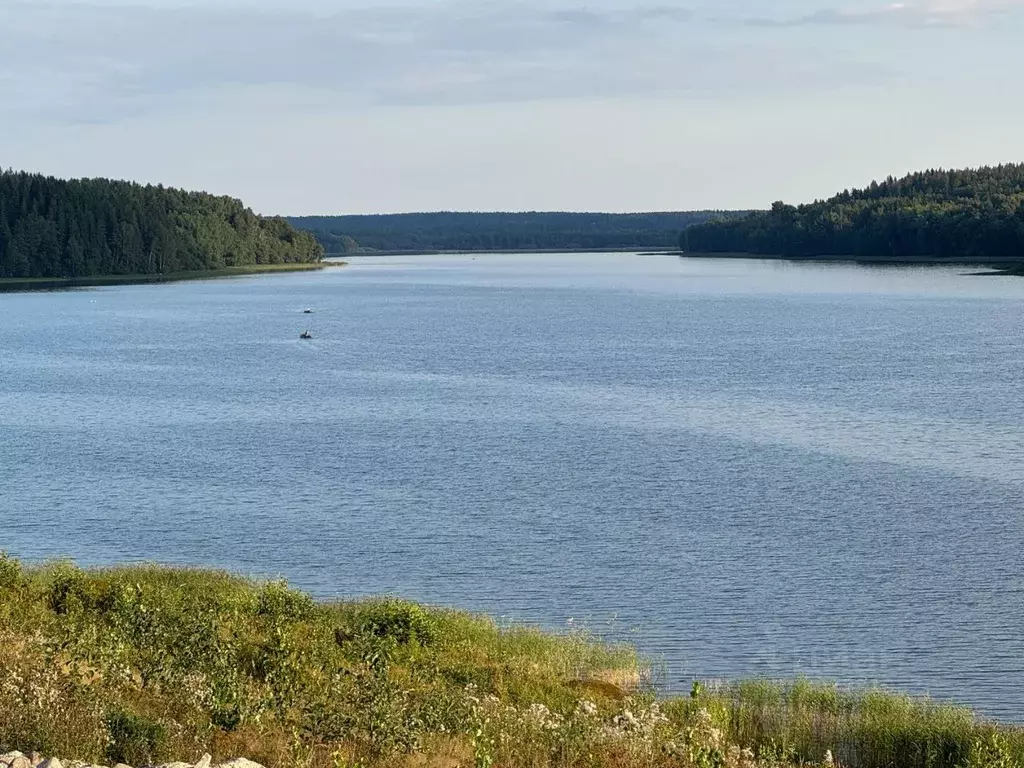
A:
[746,468]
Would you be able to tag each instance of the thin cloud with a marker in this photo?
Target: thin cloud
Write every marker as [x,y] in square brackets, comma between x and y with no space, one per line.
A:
[923,13]
[86,62]
[84,58]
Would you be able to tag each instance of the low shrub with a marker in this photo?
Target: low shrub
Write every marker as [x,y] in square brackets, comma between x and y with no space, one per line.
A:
[134,740]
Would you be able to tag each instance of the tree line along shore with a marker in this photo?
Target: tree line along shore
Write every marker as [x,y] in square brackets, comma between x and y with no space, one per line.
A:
[531,231]
[143,666]
[56,229]
[966,216]
[74,231]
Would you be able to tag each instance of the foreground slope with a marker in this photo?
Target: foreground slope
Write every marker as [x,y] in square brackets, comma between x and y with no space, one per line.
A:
[969,214]
[140,665]
[51,228]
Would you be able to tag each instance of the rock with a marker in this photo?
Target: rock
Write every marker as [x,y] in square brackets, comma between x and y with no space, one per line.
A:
[20,762]
[122,765]
[76,764]
[36,759]
[10,757]
[204,761]
[239,762]
[52,762]
[175,765]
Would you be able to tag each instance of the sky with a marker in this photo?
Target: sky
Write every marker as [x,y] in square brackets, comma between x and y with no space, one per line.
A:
[351,106]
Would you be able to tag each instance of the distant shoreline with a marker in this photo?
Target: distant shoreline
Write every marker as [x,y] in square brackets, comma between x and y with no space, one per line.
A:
[1006,263]
[481,252]
[996,262]
[21,284]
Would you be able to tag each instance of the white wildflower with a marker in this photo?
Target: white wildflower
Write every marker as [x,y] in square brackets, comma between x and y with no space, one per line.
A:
[539,712]
[586,708]
[543,717]
[627,720]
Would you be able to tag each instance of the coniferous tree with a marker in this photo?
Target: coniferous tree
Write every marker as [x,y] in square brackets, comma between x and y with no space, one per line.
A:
[54,228]
[971,214]
[492,231]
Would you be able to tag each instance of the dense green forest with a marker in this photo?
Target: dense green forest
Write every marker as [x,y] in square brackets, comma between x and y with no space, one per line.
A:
[450,231]
[66,229]
[938,213]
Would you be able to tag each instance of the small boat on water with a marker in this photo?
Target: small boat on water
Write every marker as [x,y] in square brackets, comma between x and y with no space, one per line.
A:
[305,335]
[307,311]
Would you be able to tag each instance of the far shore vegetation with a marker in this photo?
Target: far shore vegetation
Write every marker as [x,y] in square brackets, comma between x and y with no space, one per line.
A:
[1003,264]
[86,228]
[529,231]
[146,664]
[966,216]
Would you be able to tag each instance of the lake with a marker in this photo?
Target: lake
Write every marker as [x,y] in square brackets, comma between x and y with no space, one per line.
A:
[747,468]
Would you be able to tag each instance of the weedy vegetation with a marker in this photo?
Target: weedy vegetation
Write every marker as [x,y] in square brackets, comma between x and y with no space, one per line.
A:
[144,664]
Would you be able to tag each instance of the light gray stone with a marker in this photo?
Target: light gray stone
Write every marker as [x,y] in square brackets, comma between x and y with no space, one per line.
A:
[122,765]
[52,762]
[239,762]
[20,762]
[175,765]
[9,757]
[204,761]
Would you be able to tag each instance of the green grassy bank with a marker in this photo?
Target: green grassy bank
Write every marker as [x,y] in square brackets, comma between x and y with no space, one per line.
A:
[11,284]
[149,664]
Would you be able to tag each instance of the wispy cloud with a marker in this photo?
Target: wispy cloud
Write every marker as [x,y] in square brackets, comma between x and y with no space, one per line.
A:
[98,62]
[511,104]
[919,13]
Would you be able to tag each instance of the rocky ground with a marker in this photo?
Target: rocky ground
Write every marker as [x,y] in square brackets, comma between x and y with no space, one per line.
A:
[35,760]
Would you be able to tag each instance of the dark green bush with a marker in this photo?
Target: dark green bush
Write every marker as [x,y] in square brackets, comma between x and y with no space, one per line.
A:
[10,572]
[399,620]
[68,589]
[134,739]
[278,602]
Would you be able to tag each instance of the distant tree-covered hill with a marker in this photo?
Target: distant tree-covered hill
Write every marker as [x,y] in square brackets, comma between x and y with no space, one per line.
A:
[89,227]
[973,214]
[451,231]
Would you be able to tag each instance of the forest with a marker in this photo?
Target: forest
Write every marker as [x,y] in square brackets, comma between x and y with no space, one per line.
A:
[52,228]
[452,231]
[956,214]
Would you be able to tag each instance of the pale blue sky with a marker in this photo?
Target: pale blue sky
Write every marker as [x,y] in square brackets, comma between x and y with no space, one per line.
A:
[310,106]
